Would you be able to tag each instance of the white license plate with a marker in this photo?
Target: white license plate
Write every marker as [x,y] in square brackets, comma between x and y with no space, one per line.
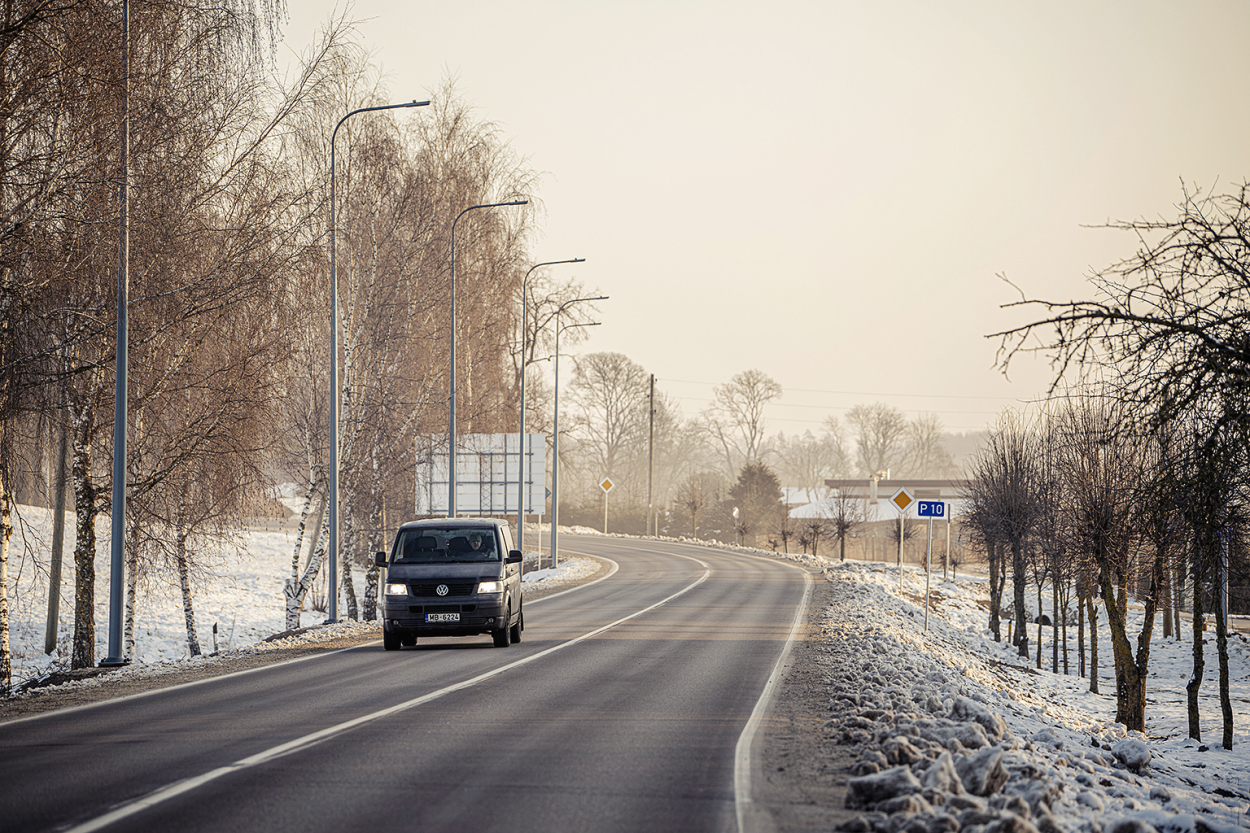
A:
[442,617]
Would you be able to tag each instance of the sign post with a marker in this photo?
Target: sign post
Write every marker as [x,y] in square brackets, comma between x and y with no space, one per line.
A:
[902,499]
[607,485]
[929,509]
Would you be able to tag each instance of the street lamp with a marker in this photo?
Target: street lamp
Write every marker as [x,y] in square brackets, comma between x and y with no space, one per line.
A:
[333,594]
[117,568]
[555,428]
[451,431]
[520,492]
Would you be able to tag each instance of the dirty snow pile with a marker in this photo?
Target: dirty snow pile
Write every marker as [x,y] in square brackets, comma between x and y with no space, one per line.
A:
[957,733]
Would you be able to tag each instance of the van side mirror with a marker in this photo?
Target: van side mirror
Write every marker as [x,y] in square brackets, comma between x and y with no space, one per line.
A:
[514,557]
[379,558]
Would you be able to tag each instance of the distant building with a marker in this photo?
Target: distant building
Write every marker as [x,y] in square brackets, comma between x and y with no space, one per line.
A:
[876,493]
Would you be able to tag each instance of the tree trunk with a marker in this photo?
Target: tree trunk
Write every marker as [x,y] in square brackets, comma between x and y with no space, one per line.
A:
[1195,678]
[299,530]
[1080,627]
[996,590]
[1178,596]
[1054,626]
[369,611]
[58,540]
[1093,644]
[1221,644]
[1167,597]
[184,583]
[1039,624]
[1018,581]
[1130,684]
[347,587]
[296,590]
[131,555]
[6,530]
[82,654]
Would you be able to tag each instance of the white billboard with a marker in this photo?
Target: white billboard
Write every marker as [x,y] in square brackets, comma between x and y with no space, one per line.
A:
[487,468]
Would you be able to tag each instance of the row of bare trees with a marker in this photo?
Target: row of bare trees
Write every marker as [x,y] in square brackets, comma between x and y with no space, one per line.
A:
[1084,503]
[210,208]
[1137,485]
[624,427]
[229,288]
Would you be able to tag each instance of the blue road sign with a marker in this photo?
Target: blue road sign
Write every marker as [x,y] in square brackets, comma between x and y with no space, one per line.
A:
[931,509]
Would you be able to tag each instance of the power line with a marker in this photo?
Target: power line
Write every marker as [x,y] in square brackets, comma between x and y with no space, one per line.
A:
[863,393]
[845,408]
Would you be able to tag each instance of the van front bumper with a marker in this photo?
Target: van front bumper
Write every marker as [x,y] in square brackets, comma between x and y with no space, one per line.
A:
[449,619]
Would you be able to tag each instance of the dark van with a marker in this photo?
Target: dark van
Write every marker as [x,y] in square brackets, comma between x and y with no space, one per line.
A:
[452,577]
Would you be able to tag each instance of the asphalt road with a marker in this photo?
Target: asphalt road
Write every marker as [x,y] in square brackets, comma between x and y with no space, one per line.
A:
[629,705]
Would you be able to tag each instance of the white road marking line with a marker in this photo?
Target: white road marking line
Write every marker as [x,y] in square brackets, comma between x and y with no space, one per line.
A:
[161,690]
[186,785]
[751,817]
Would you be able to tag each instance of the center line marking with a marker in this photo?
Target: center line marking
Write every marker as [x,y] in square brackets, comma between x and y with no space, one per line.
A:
[188,784]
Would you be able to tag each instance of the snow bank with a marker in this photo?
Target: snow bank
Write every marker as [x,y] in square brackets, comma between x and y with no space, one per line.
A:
[958,733]
[239,593]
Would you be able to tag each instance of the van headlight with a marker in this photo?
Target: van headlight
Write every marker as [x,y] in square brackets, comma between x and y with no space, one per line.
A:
[490,587]
[396,589]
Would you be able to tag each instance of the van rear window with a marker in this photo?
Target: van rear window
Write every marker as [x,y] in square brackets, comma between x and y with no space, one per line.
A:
[429,544]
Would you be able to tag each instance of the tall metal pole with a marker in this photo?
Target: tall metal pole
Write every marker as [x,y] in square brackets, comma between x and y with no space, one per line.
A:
[555,434]
[451,424]
[651,458]
[520,493]
[555,452]
[333,590]
[946,560]
[928,561]
[117,568]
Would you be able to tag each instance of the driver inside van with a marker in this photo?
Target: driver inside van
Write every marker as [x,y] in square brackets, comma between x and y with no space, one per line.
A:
[478,544]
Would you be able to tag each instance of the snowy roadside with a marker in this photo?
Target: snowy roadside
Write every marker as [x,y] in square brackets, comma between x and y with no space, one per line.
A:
[238,607]
[57,687]
[957,733]
[939,717]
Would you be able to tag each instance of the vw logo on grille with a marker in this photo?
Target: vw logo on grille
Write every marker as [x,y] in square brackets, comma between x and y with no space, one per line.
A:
[442,590]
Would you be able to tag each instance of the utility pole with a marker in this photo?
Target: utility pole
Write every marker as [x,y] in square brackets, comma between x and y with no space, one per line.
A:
[651,462]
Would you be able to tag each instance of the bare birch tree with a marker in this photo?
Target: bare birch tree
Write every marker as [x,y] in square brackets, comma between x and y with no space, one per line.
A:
[735,420]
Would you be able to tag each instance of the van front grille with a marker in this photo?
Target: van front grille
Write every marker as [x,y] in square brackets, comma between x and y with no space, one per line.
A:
[456,588]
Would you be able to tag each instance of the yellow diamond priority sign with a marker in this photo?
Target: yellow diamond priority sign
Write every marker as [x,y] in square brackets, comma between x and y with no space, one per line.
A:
[902,499]
[607,485]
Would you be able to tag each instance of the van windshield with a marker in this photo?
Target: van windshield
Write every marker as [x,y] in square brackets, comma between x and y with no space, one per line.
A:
[432,544]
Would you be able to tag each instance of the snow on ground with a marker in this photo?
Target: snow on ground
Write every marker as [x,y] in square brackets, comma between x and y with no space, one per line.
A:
[963,734]
[926,704]
[240,594]
[571,568]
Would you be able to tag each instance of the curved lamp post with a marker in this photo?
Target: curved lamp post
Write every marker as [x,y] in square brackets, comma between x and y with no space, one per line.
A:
[555,428]
[520,492]
[451,430]
[333,590]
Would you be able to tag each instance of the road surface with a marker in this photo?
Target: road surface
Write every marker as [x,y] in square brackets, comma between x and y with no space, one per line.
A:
[628,706]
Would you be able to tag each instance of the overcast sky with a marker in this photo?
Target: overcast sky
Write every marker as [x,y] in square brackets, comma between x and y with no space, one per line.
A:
[829,191]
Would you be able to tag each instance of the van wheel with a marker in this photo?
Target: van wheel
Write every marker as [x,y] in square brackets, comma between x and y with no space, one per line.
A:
[390,640]
[517,628]
[503,636]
